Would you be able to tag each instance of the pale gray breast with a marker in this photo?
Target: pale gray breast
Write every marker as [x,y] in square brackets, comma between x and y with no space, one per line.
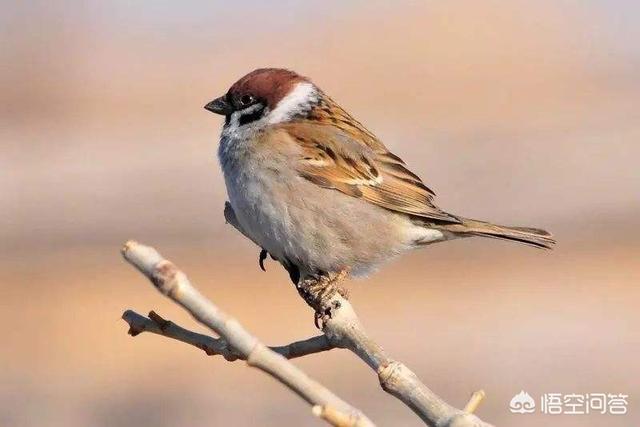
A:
[317,228]
[258,192]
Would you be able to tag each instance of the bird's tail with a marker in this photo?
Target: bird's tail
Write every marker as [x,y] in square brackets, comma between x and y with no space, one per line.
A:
[529,236]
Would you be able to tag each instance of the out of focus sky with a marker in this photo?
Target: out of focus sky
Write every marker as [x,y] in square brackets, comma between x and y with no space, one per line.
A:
[518,112]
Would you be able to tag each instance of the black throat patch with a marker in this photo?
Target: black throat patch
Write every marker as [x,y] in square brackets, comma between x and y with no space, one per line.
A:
[251,117]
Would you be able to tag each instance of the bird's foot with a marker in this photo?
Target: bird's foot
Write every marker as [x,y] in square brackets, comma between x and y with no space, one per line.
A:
[318,291]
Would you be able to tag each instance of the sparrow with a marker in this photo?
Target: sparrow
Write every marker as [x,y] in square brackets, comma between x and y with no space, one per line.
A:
[316,190]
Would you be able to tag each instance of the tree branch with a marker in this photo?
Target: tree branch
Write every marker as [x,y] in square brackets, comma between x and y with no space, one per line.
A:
[342,327]
[173,283]
[215,346]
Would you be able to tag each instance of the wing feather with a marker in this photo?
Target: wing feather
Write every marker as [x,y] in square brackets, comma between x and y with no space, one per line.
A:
[333,157]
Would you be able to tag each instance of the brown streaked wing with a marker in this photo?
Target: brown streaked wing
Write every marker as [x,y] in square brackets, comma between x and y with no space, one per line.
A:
[333,158]
[330,113]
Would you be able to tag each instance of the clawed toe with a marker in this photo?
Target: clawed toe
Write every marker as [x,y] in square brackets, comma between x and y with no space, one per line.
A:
[319,291]
[262,257]
[326,313]
[317,318]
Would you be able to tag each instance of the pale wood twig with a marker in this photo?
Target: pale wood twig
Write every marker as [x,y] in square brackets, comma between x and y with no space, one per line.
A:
[155,324]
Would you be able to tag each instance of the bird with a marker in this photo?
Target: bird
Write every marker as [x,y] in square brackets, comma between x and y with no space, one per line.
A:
[319,192]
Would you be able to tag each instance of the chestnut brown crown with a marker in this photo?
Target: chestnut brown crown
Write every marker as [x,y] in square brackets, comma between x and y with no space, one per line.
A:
[269,85]
[266,86]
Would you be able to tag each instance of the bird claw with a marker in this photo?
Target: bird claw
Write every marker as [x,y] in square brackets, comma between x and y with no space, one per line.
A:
[317,318]
[318,291]
[262,257]
[320,318]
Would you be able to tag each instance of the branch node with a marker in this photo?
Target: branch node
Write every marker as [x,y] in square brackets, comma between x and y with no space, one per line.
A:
[390,373]
[164,278]
[162,323]
[134,331]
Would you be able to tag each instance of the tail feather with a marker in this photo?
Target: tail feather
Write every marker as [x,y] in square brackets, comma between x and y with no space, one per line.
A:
[529,236]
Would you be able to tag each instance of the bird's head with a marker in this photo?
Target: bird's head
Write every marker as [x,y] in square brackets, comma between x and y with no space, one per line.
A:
[265,96]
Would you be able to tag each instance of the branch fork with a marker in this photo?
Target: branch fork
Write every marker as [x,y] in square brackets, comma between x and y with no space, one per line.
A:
[341,328]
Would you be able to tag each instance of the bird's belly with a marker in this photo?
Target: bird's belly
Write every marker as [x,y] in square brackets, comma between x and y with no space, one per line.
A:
[317,229]
[263,217]
[260,202]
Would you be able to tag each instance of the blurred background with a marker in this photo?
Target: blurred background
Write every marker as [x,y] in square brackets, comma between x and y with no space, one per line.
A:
[520,112]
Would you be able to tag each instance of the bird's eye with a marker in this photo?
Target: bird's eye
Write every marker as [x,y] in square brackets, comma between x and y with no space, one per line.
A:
[246,100]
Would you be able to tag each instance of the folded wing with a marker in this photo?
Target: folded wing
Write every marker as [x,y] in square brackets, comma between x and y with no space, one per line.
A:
[333,158]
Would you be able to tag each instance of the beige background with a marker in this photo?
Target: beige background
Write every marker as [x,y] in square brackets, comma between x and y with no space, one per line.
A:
[520,112]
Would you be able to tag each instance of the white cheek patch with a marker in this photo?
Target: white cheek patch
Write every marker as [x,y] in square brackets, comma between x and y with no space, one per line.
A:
[297,101]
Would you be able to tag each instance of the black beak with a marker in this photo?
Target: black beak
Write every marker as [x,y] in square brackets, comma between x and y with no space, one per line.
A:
[220,106]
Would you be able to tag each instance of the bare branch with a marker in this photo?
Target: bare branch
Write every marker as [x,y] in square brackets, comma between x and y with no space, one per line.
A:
[215,346]
[173,283]
[342,327]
